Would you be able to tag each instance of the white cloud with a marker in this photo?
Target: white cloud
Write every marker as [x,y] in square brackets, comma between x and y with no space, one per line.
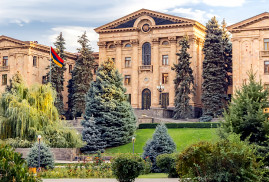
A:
[225,3]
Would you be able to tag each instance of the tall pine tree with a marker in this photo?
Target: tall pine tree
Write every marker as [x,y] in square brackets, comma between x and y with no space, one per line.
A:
[81,77]
[107,103]
[57,74]
[183,82]
[214,74]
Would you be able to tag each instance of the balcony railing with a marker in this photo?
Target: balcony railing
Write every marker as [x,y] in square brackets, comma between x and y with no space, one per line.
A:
[265,53]
[4,68]
[146,68]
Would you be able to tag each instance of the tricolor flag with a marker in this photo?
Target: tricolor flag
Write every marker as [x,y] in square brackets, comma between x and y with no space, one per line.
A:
[56,58]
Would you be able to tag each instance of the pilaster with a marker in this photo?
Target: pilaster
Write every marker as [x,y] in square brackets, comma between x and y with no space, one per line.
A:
[172,60]
[118,55]
[134,77]
[156,72]
[102,51]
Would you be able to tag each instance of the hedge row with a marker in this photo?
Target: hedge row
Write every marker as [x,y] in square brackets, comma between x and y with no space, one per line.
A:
[180,125]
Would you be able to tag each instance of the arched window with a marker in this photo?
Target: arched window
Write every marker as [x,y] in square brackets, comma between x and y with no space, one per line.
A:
[146,54]
[128,45]
[165,43]
[111,46]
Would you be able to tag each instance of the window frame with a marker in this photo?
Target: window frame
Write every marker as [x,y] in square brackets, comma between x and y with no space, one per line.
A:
[165,78]
[127,80]
[129,60]
[266,67]
[5,60]
[4,83]
[165,62]
[266,44]
[34,61]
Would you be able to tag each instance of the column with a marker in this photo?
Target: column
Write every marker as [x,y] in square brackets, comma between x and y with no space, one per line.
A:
[236,64]
[156,73]
[118,45]
[172,60]
[102,52]
[134,76]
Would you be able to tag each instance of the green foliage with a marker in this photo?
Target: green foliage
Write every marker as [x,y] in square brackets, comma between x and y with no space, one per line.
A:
[106,102]
[228,160]
[161,143]
[57,74]
[46,156]
[127,167]
[180,125]
[81,77]
[183,81]
[214,71]
[205,118]
[167,163]
[17,143]
[147,166]
[13,167]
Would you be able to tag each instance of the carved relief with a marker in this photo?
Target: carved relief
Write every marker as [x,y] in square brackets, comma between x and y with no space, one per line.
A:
[101,44]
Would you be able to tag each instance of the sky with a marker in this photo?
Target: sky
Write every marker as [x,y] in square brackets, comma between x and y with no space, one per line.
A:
[43,20]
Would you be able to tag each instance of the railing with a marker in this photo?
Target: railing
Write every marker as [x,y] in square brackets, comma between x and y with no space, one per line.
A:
[146,68]
[4,68]
[264,53]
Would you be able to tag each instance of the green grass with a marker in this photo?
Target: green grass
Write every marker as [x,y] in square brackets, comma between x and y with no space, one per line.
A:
[183,137]
[154,175]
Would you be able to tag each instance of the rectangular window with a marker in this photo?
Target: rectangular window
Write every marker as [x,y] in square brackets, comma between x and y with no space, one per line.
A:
[266,67]
[35,61]
[127,80]
[127,62]
[113,59]
[70,68]
[44,79]
[4,79]
[5,61]
[164,78]
[165,60]
[128,98]
[266,87]
[266,44]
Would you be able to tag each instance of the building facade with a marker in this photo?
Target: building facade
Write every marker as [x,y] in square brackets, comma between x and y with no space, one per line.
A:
[250,39]
[144,46]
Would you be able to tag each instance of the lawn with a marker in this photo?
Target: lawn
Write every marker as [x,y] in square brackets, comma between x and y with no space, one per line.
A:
[183,137]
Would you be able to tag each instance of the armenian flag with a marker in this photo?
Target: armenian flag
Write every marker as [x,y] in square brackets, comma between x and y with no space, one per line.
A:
[59,61]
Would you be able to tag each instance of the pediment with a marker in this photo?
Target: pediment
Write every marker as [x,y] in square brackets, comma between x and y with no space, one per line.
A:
[10,42]
[157,18]
[260,21]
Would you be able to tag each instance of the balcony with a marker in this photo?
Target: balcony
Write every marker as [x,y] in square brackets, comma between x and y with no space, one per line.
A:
[145,68]
[265,53]
[4,68]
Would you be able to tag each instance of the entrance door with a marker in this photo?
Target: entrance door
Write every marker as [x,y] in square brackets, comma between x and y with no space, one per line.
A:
[146,99]
[165,100]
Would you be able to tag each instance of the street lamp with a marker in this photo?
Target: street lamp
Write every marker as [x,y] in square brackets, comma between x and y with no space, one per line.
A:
[160,88]
[133,140]
[39,138]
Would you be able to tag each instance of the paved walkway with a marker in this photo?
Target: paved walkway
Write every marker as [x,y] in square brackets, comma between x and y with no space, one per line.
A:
[113,180]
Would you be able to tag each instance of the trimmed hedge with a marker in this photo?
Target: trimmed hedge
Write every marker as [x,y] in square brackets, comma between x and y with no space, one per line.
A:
[180,125]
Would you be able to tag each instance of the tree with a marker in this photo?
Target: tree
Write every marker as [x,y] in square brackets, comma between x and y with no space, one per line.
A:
[161,143]
[183,82]
[81,76]
[214,74]
[57,74]
[70,102]
[106,102]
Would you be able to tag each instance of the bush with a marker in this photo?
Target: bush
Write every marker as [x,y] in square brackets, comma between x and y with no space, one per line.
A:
[17,143]
[167,163]
[226,160]
[46,156]
[205,118]
[161,143]
[13,167]
[148,166]
[180,125]
[126,167]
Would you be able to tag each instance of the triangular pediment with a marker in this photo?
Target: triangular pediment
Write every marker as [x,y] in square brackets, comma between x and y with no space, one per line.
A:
[10,42]
[257,22]
[128,22]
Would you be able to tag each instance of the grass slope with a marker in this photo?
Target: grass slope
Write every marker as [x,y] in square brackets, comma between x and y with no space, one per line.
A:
[183,137]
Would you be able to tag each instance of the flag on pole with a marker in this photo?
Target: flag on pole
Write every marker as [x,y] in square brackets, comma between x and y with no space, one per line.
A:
[57,60]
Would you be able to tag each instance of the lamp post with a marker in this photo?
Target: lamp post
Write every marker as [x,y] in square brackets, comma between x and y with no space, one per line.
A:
[160,88]
[133,140]
[39,138]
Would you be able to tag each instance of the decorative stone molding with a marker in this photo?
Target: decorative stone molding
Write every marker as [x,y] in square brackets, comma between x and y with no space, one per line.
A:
[155,40]
[118,43]
[101,44]
[134,42]
[172,39]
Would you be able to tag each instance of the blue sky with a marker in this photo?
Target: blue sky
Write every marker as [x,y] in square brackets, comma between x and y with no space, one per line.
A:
[43,20]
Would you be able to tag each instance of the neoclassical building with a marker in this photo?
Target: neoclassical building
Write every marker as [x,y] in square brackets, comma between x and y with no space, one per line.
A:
[250,39]
[143,45]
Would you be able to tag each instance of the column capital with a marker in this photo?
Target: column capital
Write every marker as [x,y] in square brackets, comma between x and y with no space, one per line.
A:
[118,43]
[102,44]
[172,39]
[134,42]
[155,40]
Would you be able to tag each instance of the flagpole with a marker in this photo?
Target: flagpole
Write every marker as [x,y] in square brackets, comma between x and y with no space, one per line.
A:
[50,65]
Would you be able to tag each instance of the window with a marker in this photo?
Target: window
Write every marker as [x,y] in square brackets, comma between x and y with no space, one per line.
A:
[95,70]
[266,87]
[113,59]
[129,98]
[266,44]
[4,79]
[127,80]
[111,46]
[146,54]
[128,45]
[5,61]
[127,62]
[266,67]
[164,78]
[165,59]
[44,79]
[70,68]
[165,43]
[35,61]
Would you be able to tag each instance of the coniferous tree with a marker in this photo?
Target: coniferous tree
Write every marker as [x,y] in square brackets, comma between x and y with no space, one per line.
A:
[70,103]
[57,74]
[183,82]
[161,143]
[107,103]
[214,74]
[81,76]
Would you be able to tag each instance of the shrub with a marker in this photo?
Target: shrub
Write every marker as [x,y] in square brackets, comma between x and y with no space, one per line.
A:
[167,163]
[226,160]
[148,166]
[181,125]
[161,143]
[126,167]
[17,143]
[13,167]
[46,156]
[205,118]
